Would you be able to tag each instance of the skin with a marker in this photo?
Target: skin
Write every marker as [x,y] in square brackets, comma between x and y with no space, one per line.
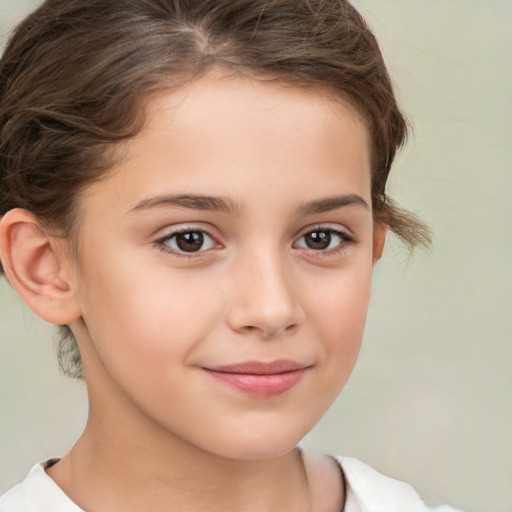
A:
[149,319]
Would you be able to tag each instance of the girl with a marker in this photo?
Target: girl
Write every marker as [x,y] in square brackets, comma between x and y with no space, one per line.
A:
[195,191]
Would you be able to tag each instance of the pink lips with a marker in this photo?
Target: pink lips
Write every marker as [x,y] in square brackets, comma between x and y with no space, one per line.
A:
[260,379]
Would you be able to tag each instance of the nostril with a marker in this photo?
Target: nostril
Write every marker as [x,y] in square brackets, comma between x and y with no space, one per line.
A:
[251,329]
[291,328]
[269,332]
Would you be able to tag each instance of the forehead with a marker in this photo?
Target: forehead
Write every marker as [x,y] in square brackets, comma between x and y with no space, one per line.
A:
[233,132]
[242,102]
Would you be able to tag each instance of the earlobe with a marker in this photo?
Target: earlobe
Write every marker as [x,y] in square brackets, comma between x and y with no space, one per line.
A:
[380,231]
[33,261]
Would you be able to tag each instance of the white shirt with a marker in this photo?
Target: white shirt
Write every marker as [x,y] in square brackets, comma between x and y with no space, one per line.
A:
[367,491]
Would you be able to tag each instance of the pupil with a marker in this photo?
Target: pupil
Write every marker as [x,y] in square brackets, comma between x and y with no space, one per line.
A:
[318,239]
[190,242]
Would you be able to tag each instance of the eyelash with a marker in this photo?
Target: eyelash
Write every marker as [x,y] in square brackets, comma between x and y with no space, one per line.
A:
[344,240]
[164,247]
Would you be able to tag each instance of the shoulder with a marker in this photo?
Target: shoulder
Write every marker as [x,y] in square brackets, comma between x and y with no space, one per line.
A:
[37,493]
[371,491]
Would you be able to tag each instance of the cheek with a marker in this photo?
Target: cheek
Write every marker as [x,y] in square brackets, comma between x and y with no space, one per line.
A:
[341,302]
[339,309]
[141,323]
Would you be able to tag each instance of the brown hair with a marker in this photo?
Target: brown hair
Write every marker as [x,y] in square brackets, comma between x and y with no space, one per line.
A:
[75,72]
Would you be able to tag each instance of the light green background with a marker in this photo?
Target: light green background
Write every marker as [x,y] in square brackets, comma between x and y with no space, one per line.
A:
[430,399]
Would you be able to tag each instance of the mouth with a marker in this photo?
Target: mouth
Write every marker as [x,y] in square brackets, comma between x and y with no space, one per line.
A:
[260,379]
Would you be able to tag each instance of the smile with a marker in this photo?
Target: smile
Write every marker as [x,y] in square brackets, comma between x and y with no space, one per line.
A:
[260,379]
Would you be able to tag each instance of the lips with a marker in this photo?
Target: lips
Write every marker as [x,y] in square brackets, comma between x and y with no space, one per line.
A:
[258,378]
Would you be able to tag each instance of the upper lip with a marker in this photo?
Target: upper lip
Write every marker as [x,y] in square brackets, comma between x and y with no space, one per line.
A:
[260,367]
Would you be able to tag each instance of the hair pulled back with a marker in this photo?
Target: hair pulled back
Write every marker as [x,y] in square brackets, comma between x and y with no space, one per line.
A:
[74,75]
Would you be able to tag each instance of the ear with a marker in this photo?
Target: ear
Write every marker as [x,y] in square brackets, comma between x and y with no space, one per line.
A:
[37,268]
[380,230]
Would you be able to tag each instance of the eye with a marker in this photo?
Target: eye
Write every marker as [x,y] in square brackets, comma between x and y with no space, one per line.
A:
[191,241]
[323,239]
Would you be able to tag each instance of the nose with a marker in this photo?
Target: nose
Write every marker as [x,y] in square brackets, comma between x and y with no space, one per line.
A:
[265,299]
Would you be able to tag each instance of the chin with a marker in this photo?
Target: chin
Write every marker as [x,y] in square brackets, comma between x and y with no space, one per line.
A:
[254,443]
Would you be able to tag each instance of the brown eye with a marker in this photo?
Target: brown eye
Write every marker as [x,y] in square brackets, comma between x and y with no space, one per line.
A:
[324,239]
[188,241]
[318,240]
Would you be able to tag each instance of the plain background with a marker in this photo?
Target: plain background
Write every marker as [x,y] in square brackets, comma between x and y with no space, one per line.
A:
[430,399]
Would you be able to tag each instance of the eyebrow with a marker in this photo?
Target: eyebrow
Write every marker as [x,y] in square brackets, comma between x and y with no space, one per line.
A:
[332,203]
[192,201]
[219,204]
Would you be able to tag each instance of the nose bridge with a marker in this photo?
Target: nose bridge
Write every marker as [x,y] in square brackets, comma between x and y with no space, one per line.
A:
[265,301]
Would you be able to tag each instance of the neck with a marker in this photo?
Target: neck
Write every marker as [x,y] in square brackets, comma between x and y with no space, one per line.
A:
[141,467]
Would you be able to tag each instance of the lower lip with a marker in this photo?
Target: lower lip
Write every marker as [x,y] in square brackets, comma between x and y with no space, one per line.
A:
[260,385]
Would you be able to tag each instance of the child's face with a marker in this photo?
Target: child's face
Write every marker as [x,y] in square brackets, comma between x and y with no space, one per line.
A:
[238,230]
